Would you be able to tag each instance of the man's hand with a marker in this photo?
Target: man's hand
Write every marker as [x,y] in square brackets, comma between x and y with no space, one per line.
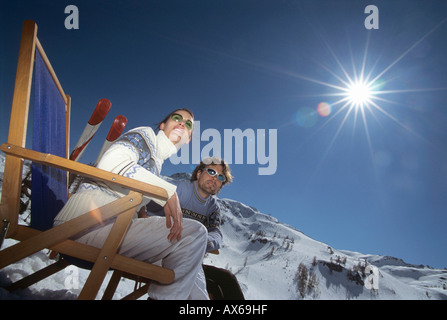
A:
[174,217]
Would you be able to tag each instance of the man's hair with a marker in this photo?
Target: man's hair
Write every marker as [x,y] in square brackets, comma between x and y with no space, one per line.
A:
[213,161]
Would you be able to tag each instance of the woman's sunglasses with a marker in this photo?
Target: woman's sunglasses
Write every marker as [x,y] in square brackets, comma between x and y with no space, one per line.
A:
[213,172]
[178,118]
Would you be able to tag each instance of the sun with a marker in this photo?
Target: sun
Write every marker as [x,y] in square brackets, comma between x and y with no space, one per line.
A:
[359,94]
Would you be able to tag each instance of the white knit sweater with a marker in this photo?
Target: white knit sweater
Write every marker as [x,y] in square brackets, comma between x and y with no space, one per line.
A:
[138,154]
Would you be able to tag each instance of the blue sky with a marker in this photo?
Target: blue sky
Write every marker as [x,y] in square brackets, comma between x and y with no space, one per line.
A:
[372,179]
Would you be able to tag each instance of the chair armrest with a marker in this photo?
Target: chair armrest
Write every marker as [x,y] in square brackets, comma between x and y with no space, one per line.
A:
[85,170]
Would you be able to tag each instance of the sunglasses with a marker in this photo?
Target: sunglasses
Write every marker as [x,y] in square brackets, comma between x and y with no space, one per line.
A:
[213,172]
[179,118]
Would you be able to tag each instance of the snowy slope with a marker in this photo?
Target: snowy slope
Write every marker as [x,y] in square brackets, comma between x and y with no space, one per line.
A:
[271,261]
[265,256]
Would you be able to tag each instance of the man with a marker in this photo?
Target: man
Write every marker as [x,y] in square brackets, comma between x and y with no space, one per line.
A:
[198,202]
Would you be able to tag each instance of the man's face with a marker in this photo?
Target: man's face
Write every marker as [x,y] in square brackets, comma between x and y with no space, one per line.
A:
[208,184]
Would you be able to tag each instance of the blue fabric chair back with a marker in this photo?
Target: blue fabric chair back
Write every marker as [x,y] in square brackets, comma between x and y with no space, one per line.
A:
[48,185]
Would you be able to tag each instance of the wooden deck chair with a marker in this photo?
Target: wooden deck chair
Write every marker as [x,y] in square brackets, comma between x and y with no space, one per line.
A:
[40,234]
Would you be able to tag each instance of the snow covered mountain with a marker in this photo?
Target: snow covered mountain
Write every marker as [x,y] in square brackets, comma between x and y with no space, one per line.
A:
[271,261]
[275,261]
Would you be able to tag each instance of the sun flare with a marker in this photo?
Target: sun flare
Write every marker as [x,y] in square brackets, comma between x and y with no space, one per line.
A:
[359,94]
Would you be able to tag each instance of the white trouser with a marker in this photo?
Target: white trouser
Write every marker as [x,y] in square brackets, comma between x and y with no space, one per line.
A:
[146,240]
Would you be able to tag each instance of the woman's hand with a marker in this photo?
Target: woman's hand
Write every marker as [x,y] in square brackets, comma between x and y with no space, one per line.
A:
[174,215]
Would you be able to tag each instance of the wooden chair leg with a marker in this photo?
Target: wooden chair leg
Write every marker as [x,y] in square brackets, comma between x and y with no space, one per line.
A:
[113,284]
[106,256]
[138,293]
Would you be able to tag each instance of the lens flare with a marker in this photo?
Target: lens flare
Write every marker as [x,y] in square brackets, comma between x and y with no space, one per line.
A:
[306,117]
[95,212]
[324,109]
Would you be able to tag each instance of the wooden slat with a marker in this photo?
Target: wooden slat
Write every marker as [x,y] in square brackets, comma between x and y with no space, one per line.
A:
[67,126]
[12,178]
[89,253]
[113,284]
[138,293]
[106,256]
[22,87]
[143,269]
[85,170]
[66,230]
[51,71]
[67,136]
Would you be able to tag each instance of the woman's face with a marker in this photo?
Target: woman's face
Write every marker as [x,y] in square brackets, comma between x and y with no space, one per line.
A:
[177,131]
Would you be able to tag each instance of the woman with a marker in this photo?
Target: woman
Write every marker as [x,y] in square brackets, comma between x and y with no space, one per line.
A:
[139,154]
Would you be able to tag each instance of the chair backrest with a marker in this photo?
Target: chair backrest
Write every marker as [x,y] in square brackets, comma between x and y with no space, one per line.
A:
[50,135]
[48,185]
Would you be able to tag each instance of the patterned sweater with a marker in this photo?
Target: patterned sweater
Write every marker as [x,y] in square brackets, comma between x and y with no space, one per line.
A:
[195,207]
[137,154]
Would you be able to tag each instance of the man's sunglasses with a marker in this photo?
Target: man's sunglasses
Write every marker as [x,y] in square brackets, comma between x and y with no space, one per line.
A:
[213,172]
[178,118]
